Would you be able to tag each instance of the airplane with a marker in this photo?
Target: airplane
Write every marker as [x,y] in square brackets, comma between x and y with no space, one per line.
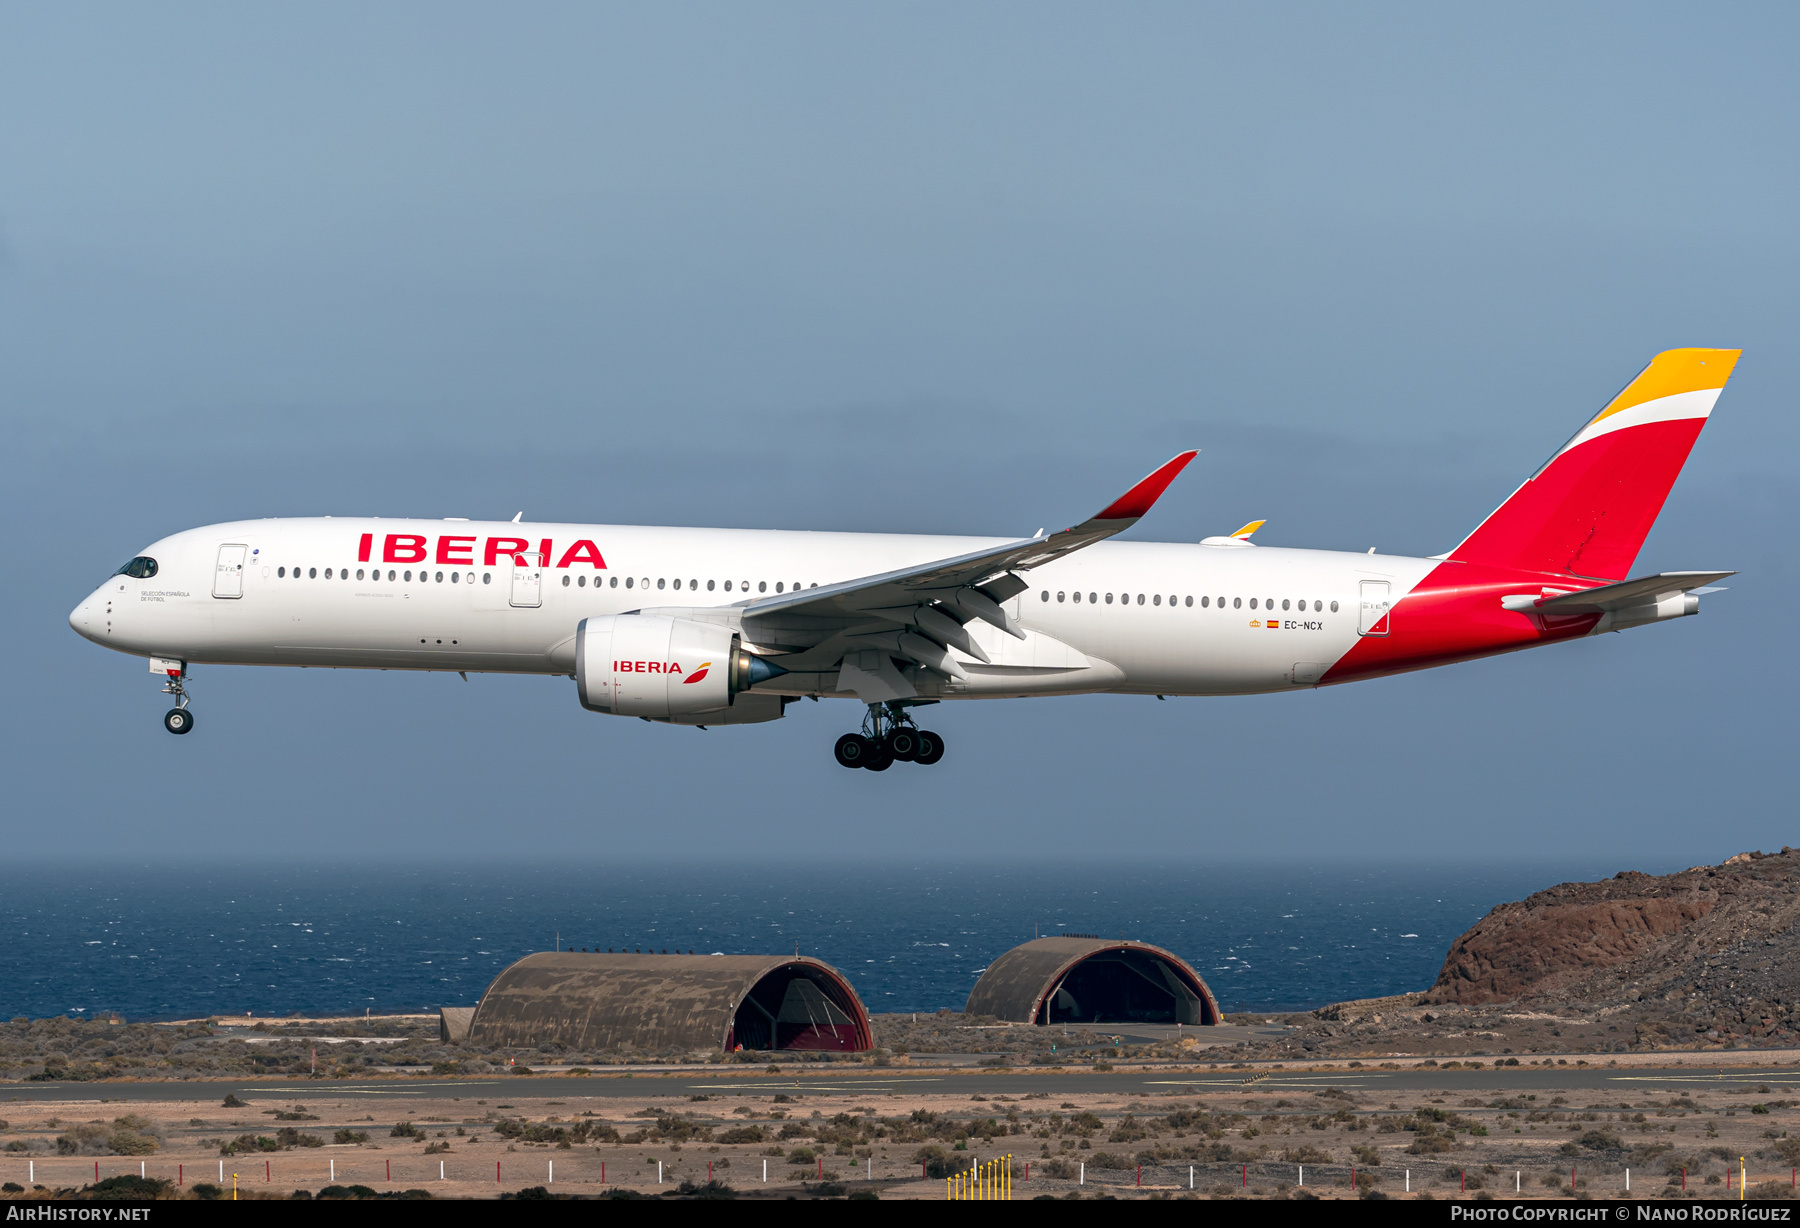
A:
[705,627]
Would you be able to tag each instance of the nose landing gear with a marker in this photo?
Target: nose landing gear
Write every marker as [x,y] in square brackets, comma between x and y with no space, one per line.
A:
[177,719]
[888,736]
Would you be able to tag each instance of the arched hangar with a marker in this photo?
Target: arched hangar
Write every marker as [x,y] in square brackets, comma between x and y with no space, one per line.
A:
[1070,979]
[662,1003]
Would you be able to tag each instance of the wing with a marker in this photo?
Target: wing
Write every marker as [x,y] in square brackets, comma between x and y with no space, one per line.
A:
[917,614]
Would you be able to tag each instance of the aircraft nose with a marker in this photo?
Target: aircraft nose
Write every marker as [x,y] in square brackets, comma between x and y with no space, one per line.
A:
[81,618]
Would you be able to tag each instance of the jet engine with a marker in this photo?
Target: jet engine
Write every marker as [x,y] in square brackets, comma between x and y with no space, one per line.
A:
[661,667]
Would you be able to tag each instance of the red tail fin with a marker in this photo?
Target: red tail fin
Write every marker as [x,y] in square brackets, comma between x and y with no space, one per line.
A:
[1588,510]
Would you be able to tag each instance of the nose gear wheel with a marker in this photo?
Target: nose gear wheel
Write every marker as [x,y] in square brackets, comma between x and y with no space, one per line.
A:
[178,719]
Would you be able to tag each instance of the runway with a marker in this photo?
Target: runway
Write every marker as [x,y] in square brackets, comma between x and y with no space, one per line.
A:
[1013,1083]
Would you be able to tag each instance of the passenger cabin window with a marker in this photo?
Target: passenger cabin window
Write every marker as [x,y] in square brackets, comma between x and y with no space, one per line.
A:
[140,568]
[1045,596]
[1334,607]
[280,573]
[1237,603]
[1059,596]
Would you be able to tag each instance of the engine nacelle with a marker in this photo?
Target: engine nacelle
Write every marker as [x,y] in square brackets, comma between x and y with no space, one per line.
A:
[656,666]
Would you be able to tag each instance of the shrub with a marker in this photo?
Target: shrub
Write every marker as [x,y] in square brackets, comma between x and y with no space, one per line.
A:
[130,1135]
[206,1191]
[404,1130]
[127,1186]
[707,1191]
[936,1160]
[801,1155]
[439,1148]
[1106,1159]
[350,1136]
[232,1102]
[348,1192]
[748,1134]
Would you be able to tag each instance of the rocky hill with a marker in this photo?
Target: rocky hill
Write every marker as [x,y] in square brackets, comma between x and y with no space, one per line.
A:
[1705,957]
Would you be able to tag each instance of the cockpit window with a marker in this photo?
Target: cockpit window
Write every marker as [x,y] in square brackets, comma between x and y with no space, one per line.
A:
[140,568]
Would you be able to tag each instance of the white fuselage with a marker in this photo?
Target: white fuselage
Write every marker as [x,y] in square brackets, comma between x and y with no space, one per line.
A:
[1135,617]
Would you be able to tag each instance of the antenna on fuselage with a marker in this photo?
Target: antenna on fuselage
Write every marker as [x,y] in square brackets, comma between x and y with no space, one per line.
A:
[516,516]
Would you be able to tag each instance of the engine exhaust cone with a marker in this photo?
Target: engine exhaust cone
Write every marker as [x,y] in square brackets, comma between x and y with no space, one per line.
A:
[758,670]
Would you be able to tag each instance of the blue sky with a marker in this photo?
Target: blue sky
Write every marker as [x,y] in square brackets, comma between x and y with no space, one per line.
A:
[938,268]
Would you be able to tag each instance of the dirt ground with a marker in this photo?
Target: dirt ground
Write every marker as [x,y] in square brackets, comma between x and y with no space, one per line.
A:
[1239,1143]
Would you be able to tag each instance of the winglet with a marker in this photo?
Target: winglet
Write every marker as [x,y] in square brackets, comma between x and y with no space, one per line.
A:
[1140,498]
[1244,534]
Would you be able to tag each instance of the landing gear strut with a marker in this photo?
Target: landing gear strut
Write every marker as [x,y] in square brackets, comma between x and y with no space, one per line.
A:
[888,735]
[178,719]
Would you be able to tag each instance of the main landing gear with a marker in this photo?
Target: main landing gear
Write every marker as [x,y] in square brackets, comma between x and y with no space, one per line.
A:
[888,735]
[178,719]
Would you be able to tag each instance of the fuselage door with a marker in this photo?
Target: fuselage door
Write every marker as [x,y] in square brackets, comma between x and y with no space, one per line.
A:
[228,574]
[527,581]
[1373,618]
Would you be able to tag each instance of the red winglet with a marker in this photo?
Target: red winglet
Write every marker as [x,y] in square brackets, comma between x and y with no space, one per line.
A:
[1139,499]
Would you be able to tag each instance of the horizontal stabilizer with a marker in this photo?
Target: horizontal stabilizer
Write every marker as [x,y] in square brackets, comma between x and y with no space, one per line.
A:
[1645,590]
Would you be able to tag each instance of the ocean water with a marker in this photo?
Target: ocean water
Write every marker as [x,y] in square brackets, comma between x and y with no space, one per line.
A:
[160,942]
